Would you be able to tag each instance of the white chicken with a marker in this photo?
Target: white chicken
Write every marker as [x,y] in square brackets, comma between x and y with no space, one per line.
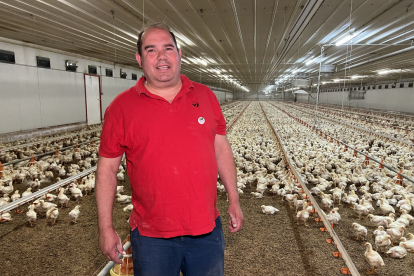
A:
[120,175]
[397,252]
[407,244]
[31,215]
[303,215]
[269,210]
[360,231]
[333,216]
[52,213]
[62,198]
[373,258]
[123,198]
[129,208]
[5,217]
[76,192]
[46,206]
[73,214]
[256,195]
[15,196]
[382,241]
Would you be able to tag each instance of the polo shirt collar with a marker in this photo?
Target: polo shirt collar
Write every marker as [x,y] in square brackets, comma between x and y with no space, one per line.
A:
[186,87]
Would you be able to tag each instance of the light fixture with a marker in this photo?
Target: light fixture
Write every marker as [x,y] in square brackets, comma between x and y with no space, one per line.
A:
[383,72]
[351,35]
[203,62]
[355,77]
[311,60]
[336,80]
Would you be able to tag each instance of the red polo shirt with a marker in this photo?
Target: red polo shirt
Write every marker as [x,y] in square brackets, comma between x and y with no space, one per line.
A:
[171,160]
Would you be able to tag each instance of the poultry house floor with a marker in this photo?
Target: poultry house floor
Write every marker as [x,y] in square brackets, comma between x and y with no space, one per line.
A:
[267,244]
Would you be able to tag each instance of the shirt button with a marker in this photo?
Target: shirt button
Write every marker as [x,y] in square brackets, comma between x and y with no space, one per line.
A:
[181,238]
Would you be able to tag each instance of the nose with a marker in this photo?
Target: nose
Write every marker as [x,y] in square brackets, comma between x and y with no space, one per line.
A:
[162,55]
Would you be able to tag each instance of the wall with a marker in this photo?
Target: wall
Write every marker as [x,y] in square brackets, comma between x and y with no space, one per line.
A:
[33,97]
[396,99]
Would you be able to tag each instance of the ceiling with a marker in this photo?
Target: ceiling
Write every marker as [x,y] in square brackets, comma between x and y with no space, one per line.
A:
[247,44]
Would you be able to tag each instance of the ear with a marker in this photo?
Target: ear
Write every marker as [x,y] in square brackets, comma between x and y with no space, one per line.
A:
[179,52]
[138,58]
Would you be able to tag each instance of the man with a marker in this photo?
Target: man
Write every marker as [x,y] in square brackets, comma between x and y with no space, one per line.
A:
[173,134]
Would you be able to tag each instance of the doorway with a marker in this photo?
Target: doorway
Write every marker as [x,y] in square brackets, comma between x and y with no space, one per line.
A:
[93,99]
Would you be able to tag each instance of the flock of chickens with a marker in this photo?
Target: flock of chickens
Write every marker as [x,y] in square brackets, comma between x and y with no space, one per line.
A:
[336,177]
[31,175]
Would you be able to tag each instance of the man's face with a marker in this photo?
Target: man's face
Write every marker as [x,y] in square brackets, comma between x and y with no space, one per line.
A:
[160,60]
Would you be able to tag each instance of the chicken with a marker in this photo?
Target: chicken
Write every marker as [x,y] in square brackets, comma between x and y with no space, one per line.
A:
[290,198]
[27,192]
[397,252]
[407,244]
[379,220]
[15,196]
[333,216]
[326,201]
[52,213]
[360,231]
[303,215]
[5,217]
[380,231]
[120,189]
[361,210]
[256,195]
[46,205]
[31,215]
[120,175]
[373,258]
[62,198]
[405,215]
[74,214]
[129,207]
[385,207]
[382,241]
[269,210]
[396,233]
[76,192]
[123,198]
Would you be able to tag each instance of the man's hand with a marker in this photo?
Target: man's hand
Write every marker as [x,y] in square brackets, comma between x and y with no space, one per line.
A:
[110,245]
[236,217]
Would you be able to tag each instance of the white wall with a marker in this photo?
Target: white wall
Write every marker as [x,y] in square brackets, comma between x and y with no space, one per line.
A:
[33,97]
[396,99]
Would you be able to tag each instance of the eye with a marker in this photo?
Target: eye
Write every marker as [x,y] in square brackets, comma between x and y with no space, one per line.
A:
[169,48]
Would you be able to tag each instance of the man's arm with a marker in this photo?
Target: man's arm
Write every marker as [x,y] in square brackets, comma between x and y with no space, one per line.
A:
[105,191]
[227,172]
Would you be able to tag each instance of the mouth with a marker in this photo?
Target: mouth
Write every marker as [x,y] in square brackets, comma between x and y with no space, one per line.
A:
[162,67]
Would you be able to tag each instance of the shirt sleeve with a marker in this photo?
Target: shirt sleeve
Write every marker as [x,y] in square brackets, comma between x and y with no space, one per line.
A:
[221,127]
[113,133]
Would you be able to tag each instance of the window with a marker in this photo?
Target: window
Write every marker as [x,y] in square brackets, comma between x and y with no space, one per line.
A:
[134,76]
[373,87]
[108,72]
[363,88]
[92,70]
[379,86]
[410,84]
[402,85]
[393,85]
[71,66]
[123,74]
[7,56]
[43,62]
[386,86]
[369,87]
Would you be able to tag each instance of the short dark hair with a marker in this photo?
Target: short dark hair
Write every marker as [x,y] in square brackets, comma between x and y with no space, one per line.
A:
[150,25]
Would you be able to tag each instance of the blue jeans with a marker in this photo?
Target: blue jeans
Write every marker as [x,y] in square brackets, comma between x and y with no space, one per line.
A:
[194,255]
